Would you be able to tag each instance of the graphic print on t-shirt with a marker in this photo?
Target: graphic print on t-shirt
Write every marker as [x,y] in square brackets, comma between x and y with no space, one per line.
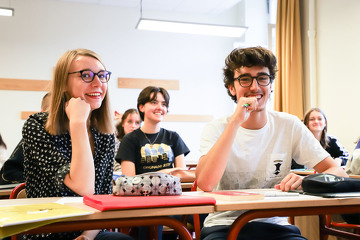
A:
[156,157]
[275,166]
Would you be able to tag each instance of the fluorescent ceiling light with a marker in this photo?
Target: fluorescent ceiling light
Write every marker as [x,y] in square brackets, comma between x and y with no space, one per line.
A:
[190,28]
[8,12]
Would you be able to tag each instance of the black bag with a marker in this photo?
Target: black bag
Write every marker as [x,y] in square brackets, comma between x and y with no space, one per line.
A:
[329,183]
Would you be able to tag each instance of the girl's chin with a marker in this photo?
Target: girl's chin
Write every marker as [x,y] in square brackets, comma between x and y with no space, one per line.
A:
[96,106]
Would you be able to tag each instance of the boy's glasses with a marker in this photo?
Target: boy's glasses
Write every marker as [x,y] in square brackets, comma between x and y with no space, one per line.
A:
[88,75]
[262,80]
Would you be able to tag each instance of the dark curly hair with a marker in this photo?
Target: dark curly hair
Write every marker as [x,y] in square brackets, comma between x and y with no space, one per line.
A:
[247,57]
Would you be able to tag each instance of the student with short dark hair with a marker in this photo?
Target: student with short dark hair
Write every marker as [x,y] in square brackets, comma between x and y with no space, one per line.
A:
[152,148]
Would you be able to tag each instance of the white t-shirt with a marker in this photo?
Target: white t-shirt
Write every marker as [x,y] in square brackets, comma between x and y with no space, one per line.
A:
[261,158]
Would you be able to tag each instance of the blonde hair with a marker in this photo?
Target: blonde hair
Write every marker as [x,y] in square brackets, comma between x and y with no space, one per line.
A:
[58,122]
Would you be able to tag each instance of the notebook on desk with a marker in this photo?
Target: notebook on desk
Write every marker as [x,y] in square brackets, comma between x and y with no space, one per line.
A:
[335,195]
[111,202]
[9,186]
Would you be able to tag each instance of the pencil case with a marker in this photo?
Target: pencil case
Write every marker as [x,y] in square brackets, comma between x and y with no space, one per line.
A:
[147,184]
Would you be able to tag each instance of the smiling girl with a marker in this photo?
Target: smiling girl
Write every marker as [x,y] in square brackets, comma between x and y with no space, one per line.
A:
[69,151]
[316,121]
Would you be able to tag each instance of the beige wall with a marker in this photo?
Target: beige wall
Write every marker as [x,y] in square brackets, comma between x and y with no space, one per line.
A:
[41,30]
[337,65]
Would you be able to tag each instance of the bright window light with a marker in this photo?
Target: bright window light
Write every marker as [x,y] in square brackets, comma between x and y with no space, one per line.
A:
[190,28]
[8,12]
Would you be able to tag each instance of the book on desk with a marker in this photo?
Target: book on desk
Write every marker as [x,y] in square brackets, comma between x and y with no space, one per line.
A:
[110,202]
[9,186]
[233,195]
[18,218]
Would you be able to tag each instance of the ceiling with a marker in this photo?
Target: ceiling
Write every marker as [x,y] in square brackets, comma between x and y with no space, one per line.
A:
[185,6]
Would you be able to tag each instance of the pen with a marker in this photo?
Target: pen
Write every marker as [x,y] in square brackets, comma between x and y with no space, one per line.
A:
[246,105]
[281,194]
[278,194]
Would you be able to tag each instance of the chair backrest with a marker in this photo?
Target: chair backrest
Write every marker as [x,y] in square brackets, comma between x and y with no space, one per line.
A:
[18,191]
[332,225]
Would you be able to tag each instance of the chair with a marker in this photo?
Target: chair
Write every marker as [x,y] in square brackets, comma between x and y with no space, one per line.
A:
[330,229]
[196,216]
[18,192]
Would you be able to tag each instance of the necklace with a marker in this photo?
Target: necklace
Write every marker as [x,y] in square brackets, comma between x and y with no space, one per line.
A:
[151,143]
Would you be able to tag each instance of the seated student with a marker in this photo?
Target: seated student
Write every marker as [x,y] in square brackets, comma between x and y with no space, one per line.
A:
[3,151]
[13,169]
[69,151]
[130,121]
[151,148]
[316,121]
[353,167]
[253,147]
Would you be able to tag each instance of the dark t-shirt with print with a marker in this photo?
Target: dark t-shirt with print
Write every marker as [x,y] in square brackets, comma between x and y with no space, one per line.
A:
[158,155]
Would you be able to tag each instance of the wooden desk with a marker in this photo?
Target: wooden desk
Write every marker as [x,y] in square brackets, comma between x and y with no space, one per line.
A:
[116,218]
[5,193]
[186,186]
[191,165]
[310,172]
[6,189]
[301,205]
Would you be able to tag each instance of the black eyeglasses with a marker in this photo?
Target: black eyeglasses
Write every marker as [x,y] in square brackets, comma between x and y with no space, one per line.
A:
[247,80]
[88,75]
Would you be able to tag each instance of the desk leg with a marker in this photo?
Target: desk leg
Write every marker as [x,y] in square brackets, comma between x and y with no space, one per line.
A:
[301,211]
[113,223]
[262,213]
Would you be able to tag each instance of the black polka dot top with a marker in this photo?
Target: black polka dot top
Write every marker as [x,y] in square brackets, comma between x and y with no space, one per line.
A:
[47,160]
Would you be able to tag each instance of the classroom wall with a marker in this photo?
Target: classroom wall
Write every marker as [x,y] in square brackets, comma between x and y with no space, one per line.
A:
[41,30]
[337,51]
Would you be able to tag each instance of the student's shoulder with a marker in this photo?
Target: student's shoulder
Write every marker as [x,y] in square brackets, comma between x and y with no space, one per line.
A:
[133,138]
[220,120]
[39,117]
[218,123]
[169,133]
[132,135]
[35,122]
[332,137]
[283,116]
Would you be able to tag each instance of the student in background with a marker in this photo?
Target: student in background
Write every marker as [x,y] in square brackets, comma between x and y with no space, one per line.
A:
[3,151]
[130,121]
[316,121]
[69,151]
[253,147]
[353,168]
[13,169]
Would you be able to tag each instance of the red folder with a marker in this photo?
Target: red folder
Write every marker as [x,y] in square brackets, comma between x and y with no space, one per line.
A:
[111,202]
